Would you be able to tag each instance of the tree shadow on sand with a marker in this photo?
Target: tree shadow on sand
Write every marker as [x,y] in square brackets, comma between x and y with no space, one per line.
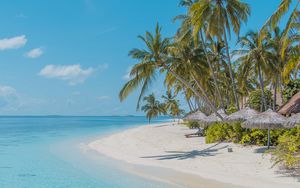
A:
[182,155]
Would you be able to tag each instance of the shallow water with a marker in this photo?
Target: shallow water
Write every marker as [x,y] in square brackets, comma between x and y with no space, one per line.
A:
[50,152]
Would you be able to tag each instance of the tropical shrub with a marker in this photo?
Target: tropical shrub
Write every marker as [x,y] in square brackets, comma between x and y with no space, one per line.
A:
[255,99]
[259,137]
[290,89]
[231,109]
[192,124]
[287,151]
[219,132]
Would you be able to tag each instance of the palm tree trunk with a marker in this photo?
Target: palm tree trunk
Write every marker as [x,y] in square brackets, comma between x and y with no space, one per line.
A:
[212,70]
[275,94]
[262,88]
[230,71]
[206,99]
[189,103]
[188,85]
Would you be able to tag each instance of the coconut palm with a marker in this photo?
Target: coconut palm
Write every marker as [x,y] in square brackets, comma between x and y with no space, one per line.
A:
[171,105]
[255,58]
[153,108]
[220,17]
[292,25]
[184,34]
[153,58]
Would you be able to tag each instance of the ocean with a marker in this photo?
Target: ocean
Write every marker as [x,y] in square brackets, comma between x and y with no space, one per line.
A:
[49,152]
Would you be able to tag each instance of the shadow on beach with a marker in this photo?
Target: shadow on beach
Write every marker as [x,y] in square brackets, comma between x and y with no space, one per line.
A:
[182,155]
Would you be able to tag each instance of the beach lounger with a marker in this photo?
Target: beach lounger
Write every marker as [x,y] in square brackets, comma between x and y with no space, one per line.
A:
[198,133]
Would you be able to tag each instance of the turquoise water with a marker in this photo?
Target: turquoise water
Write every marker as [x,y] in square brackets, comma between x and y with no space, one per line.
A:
[49,152]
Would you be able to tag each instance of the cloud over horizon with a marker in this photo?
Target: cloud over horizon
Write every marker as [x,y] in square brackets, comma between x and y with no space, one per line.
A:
[34,53]
[74,74]
[13,43]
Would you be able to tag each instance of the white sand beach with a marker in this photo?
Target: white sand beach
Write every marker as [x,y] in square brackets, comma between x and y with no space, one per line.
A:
[165,146]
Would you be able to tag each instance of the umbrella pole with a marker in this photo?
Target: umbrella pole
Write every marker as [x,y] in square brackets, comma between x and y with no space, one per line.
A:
[268,137]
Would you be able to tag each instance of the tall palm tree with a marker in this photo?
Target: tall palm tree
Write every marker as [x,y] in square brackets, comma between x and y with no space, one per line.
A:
[292,25]
[255,58]
[184,34]
[153,108]
[155,58]
[220,17]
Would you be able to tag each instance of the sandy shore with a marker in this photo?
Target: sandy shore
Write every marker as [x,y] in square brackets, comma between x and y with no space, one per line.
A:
[165,146]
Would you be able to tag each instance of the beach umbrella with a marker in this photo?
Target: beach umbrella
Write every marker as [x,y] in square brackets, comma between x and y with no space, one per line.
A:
[266,120]
[213,118]
[242,115]
[196,116]
[292,121]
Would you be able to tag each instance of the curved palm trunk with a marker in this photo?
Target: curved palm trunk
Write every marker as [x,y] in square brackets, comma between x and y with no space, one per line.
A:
[204,97]
[231,72]
[262,88]
[212,70]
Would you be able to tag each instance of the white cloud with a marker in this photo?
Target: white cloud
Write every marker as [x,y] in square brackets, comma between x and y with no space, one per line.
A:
[127,75]
[103,67]
[6,91]
[34,53]
[13,43]
[103,98]
[74,74]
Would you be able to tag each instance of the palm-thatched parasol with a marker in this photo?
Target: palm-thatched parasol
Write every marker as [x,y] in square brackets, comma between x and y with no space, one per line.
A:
[292,121]
[266,120]
[242,115]
[196,116]
[214,118]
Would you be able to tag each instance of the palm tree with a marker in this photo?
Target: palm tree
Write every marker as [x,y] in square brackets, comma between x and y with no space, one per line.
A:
[153,108]
[292,25]
[155,57]
[171,105]
[184,34]
[255,58]
[219,17]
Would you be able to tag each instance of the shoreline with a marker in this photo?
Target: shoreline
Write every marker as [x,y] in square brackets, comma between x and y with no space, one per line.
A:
[164,146]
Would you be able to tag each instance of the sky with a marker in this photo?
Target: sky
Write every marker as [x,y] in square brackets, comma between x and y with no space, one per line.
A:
[64,57]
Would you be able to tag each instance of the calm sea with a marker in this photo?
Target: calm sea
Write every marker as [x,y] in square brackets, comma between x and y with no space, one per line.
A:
[48,152]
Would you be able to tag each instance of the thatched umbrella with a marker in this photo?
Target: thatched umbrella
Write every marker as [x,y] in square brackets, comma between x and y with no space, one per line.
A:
[266,120]
[242,115]
[292,121]
[214,118]
[196,116]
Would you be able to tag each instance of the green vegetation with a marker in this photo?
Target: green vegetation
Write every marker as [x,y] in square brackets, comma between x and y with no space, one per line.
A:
[255,100]
[197,62]
[153,107]
[233,132]
[288,149]
[192,124]
[290,89]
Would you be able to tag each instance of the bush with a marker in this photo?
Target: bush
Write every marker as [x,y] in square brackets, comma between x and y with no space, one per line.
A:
[287,151]
[231,109]
[219,132]
[290,89]
[192,124]
[260,137]
[233,132]
[255,99]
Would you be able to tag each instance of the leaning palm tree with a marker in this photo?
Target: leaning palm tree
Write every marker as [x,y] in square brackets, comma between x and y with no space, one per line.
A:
[184,35]
[152,59]
[153,108]
[219,17]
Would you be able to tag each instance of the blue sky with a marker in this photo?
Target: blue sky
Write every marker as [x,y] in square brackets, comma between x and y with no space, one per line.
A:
[64,57]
